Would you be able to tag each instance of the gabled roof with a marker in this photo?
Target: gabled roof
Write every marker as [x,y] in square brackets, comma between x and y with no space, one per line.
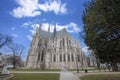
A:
[46,34]
[63,32]
[50,35]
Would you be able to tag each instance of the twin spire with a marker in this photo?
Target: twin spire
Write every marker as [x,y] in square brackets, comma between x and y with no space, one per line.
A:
[40,28]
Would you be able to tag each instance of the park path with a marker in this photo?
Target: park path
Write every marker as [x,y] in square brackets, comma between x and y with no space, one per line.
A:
[5,77]
[67,75]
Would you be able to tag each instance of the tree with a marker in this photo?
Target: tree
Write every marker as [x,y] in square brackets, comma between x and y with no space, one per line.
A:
[101,20]
[5,40]
[17,51]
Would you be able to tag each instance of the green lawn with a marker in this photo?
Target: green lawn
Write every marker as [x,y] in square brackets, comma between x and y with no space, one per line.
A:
[102,77]
[32,69]
[35,76]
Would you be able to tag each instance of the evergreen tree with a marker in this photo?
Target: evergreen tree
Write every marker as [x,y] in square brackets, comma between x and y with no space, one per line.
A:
[101,20]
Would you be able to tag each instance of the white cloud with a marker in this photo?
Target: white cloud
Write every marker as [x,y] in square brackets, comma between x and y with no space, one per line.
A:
[27,8]
[32,8]
[27,24]
[86,50]
[56,6]
[29,37]
[71,27]
[34,26]
[32,31]
[13,28]
[14,35]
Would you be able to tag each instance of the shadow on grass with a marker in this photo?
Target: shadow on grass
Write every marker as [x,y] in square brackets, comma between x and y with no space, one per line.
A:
[35,76]
[101,77]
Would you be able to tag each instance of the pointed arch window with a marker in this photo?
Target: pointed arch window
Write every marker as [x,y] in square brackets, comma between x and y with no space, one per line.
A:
[72,57]
[68,57]
[78,57]
[69,44]
[39,56]
[42,55]
[54,58]
[63,42]
[60,57]
[60,44]
[39,44]
[64,56]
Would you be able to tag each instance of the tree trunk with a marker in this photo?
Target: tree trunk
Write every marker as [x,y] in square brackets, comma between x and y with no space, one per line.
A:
[114,67]
[14,65]
[98,65]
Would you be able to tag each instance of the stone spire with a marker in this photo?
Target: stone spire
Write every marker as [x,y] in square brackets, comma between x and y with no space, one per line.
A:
[55,30]
[40,26]
[49,28]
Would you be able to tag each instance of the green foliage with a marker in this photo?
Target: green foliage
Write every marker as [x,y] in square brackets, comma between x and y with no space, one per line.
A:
[101,20]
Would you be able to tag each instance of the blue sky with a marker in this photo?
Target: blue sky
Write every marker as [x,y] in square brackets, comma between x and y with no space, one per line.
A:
[19,18]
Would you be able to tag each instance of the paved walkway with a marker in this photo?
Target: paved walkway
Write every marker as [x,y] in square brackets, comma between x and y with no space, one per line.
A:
[5,77]
[67,75]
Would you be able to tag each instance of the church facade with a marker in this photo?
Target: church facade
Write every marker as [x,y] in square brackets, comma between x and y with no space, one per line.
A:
[55,50]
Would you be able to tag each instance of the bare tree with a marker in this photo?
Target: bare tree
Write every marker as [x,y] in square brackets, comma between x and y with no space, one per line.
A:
[17,51]
[5,40]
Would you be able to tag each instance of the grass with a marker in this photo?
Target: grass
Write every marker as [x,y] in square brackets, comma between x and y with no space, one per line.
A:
[35,76]
[101,77]
[32,70]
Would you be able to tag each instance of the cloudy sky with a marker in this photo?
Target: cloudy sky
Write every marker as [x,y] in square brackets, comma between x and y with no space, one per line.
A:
[19,18]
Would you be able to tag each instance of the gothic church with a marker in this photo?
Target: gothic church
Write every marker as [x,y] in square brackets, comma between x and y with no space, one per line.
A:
[55,50]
